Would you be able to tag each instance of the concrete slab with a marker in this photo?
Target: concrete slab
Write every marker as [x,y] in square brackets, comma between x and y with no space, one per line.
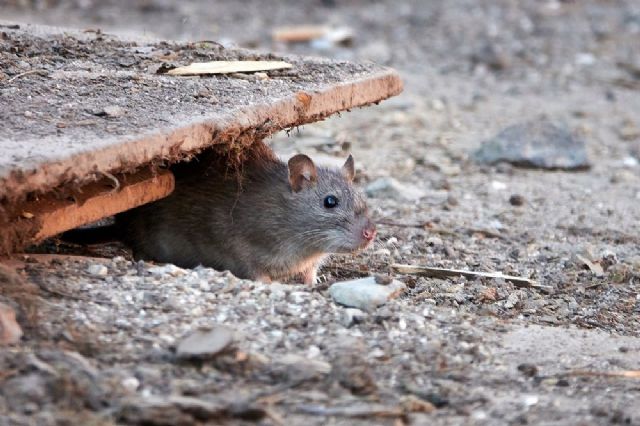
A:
[77,106]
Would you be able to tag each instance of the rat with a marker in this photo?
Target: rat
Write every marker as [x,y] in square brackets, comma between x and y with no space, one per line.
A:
[273,221]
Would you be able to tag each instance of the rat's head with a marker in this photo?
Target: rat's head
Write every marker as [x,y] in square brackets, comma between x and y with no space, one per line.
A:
[332,212]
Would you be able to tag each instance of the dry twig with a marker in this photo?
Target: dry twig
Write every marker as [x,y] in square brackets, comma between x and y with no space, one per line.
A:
[365,411]
[629,374]
[427,271]
[22,74]
[228,67]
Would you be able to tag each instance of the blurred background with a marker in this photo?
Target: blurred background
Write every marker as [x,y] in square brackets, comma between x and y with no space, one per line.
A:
[456,35]
[477,73]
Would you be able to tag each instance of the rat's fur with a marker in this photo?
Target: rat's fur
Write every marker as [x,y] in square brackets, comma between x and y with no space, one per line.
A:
[267,223]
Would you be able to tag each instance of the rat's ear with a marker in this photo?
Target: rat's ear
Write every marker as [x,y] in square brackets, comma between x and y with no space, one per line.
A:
[302,172]
[349,169]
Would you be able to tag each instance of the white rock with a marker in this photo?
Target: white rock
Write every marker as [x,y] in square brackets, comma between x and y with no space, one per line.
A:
[514,298]
[437,104]
[479,415]
[114,111]
[530,400]
[387,187]
[97,269]
[130,383]
[313,352]
[377,353]
[168,269]
[434,241]
[365,293]
[205,342]
[402,324]
[584,59]
[298,297]
[204,285]
[496,185]
[382,252]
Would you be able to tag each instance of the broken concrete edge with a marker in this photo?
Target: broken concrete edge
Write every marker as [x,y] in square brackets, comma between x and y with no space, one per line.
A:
[236,130]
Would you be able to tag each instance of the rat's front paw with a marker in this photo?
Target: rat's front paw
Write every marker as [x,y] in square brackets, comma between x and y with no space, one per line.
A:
[263,278]
[310,276]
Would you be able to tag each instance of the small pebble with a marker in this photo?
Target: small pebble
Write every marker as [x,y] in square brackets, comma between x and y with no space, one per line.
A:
[205,343]
[364,293]
[131,384]
[114,111]
[528,370]
[498,186]
[97,270]
[352,316]
[516,200]
[434,241]
[204,285]
[530,400]
[168,269]
[298,297]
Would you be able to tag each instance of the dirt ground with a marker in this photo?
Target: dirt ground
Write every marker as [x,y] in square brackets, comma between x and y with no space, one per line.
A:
[102,348]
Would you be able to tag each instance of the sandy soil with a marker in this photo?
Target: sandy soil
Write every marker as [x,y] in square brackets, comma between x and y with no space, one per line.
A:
[448,351]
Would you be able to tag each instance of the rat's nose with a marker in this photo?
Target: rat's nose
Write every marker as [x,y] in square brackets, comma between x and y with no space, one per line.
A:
[369,232]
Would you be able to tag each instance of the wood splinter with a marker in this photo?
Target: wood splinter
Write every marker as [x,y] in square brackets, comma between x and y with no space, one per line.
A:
[51,216]
[427,271]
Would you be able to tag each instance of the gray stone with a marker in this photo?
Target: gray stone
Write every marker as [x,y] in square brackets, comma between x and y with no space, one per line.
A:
[538,144]
[387,187]
[168,269]
[352,316]
[97,270]
[205,343]
[515,298]
[114,111]
[364,293]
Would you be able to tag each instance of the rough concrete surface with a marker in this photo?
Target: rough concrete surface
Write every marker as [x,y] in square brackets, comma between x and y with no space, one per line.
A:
[77,104]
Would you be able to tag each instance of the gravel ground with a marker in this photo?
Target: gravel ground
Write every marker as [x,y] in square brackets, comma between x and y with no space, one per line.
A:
[107,343]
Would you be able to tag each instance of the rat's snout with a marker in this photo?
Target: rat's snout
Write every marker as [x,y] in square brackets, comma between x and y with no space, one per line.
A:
[369,231]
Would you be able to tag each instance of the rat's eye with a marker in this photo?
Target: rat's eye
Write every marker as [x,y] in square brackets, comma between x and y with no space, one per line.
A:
[331,201]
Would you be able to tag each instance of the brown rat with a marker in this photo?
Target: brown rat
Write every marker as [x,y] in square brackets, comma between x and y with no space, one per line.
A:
[271,222]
